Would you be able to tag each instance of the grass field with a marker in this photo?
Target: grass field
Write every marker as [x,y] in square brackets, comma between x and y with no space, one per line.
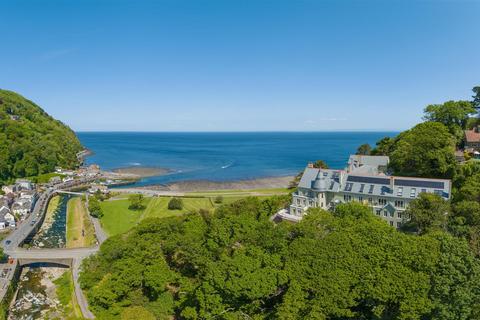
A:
[118,218]
[66,296]
[80,230]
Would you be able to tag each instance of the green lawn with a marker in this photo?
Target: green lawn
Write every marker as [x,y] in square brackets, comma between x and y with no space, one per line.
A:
[117,218]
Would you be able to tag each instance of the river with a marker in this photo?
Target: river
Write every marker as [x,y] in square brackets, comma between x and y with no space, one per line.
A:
[52,234]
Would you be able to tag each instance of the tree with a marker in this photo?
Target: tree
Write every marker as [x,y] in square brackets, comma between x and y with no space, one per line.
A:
[137,312]
[428,212]
[136,201]
[94,207]
[383,147]
[218,199]
[364,149]
[320,164]
[453,114]
[426,150]
[175,204]
[476,97]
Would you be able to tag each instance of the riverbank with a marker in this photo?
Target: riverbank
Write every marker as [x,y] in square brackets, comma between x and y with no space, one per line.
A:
[44,293]
[80,232]
[206,185]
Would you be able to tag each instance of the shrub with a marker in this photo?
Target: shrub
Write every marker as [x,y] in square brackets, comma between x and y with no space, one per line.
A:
[219,199]
[175,204]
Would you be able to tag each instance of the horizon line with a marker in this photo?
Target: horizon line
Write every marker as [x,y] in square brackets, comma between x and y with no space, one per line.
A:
[249,131]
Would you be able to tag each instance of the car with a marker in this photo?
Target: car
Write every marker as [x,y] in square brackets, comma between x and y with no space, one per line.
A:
[8,242]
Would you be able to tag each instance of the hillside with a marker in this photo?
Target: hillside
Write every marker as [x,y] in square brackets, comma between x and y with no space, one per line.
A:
[31,141]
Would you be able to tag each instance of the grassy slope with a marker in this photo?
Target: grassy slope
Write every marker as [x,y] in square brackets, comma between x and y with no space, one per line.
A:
[66,296]
[77,220]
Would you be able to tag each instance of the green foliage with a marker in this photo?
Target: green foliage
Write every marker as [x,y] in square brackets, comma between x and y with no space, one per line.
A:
[426,150]
[94,207]
[236,264]
[135,313]
[137,201]
[364,149]
[453,114]
[34,143]
[383,147]
[175,204]
[476,97]
[219,199]
[320,164]
[427,213]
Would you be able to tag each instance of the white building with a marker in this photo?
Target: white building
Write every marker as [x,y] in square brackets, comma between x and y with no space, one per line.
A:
[364,182]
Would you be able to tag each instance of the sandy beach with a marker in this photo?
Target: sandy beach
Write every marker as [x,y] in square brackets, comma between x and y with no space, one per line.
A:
[141,172]
[205,185]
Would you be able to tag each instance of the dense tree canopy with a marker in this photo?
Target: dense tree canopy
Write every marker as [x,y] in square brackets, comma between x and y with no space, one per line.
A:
[426,150]
[453,114]
[31,141]
[364,149]
[237,264]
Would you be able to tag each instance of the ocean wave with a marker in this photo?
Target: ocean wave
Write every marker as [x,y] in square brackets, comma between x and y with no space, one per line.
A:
[135,164]
[228,165]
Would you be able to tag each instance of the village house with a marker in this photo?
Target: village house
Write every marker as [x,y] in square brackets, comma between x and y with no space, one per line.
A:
[365,181]
[6,218]
[10,189]
[472,139]
[24,184]
[94,188]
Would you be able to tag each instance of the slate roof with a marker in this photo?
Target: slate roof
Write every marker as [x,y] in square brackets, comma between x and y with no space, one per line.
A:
[377,185]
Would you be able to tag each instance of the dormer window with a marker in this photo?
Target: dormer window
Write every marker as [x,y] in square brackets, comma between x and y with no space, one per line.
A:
[413,192]
[400,191]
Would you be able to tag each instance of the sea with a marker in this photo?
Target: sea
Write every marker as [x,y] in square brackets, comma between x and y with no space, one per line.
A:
[222,156]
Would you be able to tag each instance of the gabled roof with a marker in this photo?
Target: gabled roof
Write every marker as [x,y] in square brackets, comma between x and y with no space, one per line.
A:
[472,136]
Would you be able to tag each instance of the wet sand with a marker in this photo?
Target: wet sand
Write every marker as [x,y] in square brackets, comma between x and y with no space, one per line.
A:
[205,185]
[142,172]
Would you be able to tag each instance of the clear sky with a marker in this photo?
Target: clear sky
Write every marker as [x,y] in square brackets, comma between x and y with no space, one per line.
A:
[239,65]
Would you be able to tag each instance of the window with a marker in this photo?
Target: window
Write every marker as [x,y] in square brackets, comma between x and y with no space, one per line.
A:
[360,199]
[362,186]
[378,212]
[370,200]
[347,197]
[348,186]
[399,204]
[400,191]
[298,202]
[413,192]
[424,190]
[438,192]
[391,223]
[399,214]
[385,213]
[370,190]
[382,201]
[392,214]
[399,224]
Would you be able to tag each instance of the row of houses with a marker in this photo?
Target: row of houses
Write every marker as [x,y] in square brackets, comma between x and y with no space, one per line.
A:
[364,180]
[17,202]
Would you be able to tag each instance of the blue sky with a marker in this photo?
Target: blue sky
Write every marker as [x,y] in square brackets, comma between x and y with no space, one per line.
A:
[243,65]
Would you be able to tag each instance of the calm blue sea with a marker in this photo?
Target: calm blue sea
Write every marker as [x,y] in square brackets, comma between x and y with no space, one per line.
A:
[223,156]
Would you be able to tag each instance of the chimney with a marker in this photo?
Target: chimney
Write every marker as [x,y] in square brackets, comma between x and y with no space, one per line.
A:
[392,183]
